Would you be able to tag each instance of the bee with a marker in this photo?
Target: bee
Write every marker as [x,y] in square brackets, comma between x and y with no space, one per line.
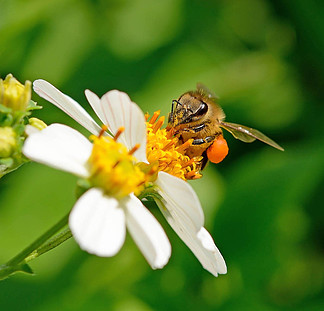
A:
[196,115]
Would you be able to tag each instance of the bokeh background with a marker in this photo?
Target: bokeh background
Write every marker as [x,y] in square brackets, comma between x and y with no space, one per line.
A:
[264,208]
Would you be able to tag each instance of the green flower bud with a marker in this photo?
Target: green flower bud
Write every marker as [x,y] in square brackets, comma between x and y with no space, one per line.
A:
[13,94]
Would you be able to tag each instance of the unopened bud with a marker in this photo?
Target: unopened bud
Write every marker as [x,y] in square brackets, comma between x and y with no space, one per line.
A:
[13,94]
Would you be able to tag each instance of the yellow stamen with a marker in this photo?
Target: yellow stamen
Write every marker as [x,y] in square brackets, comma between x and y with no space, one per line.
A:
[104,128]
[192,175]
[190,162]
[185,145]
[170,132]
[154,117]
[135,148]
[170,144]
[158,124]
[120,130]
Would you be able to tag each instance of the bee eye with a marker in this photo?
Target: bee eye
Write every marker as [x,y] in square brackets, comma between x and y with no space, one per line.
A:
[203,108]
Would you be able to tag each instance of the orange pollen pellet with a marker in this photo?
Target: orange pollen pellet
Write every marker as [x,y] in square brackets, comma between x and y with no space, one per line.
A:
[185,145]
[134,149]
[155,116]
[120,130]
[104,128]
[158,124]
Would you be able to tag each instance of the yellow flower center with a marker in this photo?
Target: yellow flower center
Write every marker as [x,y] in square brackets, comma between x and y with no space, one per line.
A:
[13,94]
[165,150]
[112,167]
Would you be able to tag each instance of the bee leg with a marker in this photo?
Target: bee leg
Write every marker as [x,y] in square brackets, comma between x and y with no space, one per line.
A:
[194,129]
[200,141]
[199,127]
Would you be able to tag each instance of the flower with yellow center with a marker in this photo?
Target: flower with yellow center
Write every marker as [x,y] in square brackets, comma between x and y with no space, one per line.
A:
[157,155]
[99,218]
[13,94]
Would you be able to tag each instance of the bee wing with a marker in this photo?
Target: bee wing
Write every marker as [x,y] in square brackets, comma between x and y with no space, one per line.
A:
[205,91]
[248,134]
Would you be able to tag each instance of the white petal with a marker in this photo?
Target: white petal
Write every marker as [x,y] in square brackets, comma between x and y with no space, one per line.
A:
[94,102]
[98,223]
[67,104]
[181,200]
[61,147]
[118,110]
[209,257]
[29,129]
[211,249]
[147,233]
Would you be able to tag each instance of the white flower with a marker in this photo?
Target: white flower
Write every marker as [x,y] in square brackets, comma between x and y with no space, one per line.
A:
[98,220]
[180,204]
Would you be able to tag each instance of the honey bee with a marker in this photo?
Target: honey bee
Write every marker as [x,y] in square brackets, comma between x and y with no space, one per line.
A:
[196,115]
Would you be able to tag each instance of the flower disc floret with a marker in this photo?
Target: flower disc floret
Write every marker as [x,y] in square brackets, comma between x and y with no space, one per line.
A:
[164,149]
[112,168]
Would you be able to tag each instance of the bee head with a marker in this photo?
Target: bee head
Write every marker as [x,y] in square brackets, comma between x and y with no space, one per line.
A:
[188,108]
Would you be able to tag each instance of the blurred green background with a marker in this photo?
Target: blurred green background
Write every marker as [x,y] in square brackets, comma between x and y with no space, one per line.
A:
[263,207]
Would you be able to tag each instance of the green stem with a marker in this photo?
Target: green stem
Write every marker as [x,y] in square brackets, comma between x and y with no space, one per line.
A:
[43,244]
[50,244]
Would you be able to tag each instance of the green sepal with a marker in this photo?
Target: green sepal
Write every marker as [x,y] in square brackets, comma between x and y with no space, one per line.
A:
[4,109]
[33,106]
[5,119]
[150,193]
